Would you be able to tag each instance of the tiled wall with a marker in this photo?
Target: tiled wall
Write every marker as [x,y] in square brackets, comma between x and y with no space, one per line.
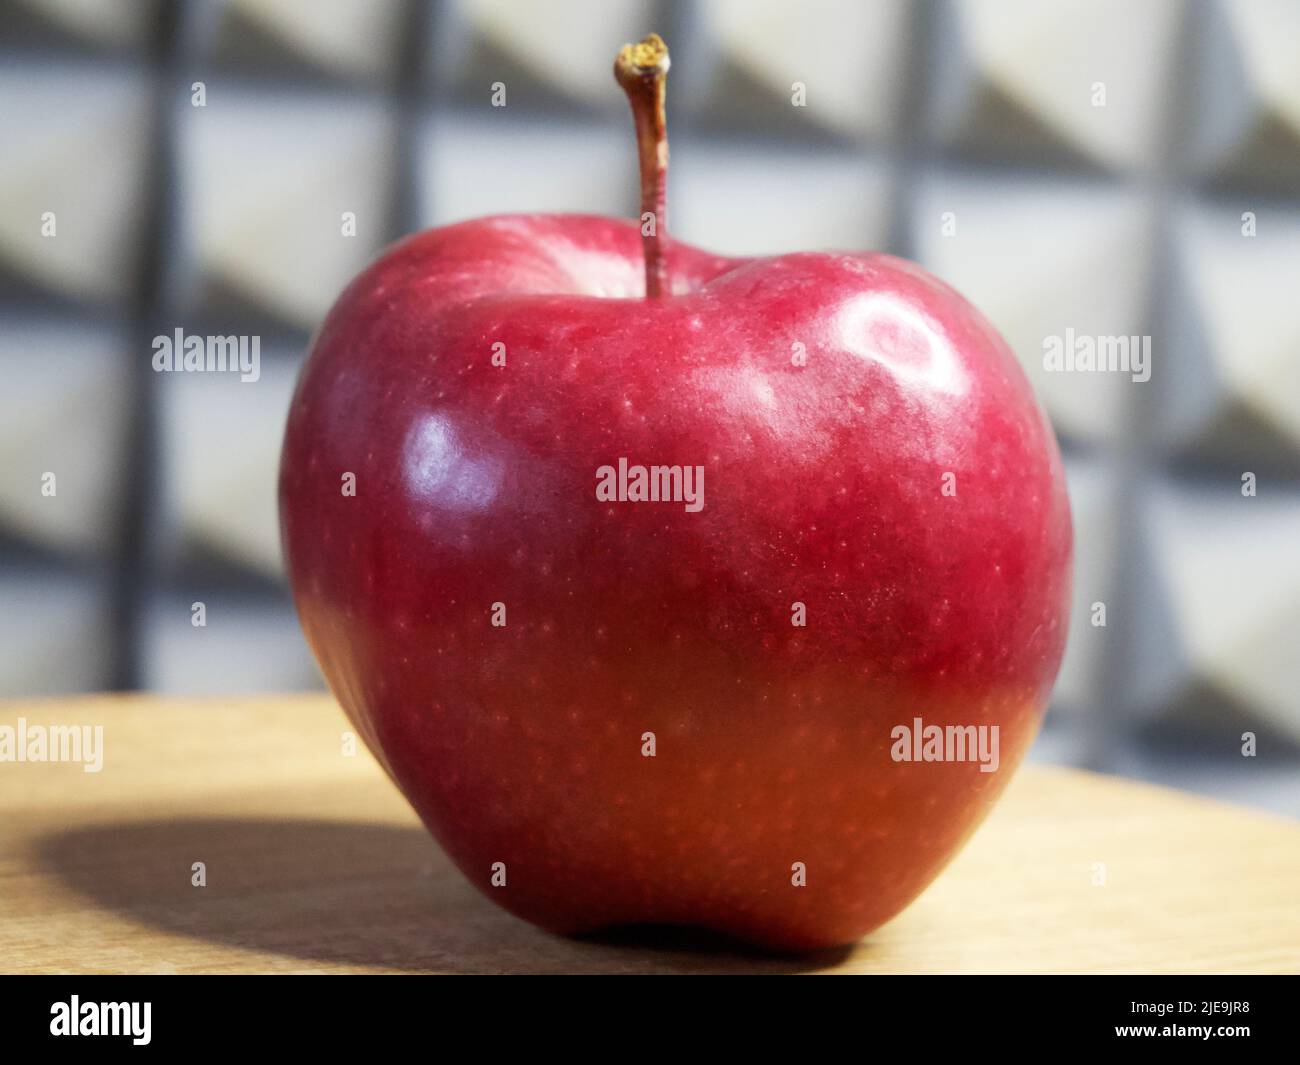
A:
[1068,164]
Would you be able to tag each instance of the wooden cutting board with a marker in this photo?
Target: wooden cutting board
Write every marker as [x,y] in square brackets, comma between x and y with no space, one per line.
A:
[314,863]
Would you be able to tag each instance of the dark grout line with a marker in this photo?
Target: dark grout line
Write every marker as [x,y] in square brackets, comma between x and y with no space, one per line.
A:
[903,147]
[136,501]
[413,94]
[135,575]
[1134,456]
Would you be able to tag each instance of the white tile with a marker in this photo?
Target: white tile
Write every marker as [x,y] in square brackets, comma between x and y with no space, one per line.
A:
[1088,646]
[243,647]
[503,164]
[564,48]
[846,55]
[1248,113]
[64,410]
[1045,263]
[107,23]
[351,39]
[1232,337]
[220,447]
[268,180]
[75,142]
[1221,603]
[57,634]
[742,201]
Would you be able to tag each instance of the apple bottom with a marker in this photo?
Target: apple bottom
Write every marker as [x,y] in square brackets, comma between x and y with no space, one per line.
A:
[772,809]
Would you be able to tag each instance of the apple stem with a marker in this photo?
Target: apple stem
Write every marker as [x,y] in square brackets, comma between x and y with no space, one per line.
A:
[642,70]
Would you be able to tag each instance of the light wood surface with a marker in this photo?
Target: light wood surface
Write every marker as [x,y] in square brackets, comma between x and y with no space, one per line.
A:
[315,864]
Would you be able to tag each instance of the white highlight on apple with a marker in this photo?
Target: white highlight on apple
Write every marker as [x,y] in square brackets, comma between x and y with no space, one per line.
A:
[876,326]
[440,470]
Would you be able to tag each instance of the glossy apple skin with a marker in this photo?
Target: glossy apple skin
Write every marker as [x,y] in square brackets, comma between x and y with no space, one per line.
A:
[824,485]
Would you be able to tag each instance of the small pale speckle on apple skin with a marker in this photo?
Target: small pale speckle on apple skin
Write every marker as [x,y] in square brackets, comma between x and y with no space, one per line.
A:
[521,743]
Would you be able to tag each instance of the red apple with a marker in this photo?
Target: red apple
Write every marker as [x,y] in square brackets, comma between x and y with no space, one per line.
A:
[650,736]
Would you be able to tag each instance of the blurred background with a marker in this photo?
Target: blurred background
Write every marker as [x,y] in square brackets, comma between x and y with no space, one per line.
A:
[1108,166]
